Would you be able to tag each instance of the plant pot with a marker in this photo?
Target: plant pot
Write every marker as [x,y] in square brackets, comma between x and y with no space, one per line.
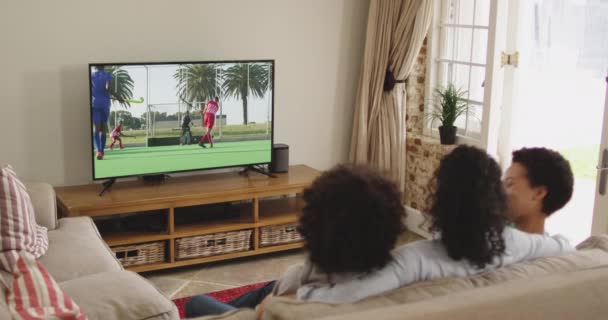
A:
[447,135]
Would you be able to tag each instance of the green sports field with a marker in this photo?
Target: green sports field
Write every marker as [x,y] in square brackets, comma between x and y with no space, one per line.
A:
[142,160]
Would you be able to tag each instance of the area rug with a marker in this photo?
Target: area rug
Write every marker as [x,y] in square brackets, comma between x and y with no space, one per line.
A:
[223,296]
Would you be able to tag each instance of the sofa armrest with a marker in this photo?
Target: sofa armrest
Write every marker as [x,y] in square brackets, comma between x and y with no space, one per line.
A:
[123,295]
[44,202]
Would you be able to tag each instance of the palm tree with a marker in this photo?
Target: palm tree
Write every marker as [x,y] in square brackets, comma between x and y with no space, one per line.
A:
[242,78]
[268,69]
[122,85]
[196,82]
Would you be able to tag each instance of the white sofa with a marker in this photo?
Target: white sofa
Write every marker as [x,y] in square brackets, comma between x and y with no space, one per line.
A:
[572,286]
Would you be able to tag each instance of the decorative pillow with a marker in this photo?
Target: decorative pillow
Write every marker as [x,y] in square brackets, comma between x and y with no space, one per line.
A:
[18,228]
[35,295]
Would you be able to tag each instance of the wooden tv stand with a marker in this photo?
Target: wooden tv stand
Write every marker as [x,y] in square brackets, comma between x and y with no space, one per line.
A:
[260,199]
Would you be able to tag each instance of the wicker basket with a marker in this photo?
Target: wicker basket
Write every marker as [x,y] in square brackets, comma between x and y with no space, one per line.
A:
[213,244]
[273,235]
[138,254]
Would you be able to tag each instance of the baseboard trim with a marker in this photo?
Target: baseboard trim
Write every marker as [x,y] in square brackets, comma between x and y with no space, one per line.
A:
[417,223]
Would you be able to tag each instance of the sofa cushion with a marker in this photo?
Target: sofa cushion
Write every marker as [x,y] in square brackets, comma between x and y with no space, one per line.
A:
[565,296]
[44,202]
[34,294]
[597,242]
[18,228]
[120,295]
[593,254]
[76,249]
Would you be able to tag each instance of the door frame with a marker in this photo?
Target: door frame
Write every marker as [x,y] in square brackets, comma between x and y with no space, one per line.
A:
[600,208]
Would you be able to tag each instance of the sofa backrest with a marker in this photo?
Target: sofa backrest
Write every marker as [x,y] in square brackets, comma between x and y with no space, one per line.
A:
[573,295]
[591,254]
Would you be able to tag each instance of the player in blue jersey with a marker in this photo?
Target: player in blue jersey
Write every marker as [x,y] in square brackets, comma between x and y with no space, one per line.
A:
[101,83]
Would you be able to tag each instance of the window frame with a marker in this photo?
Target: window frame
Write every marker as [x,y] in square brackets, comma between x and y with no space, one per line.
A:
[438,37]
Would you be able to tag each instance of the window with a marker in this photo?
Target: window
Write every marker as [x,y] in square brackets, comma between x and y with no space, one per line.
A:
[458,51]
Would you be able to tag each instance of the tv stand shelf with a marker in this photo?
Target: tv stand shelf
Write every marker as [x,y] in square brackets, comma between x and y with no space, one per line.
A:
[262,202]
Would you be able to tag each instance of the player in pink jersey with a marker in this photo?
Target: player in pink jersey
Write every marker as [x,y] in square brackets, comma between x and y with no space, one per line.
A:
[208,114]
[116,134]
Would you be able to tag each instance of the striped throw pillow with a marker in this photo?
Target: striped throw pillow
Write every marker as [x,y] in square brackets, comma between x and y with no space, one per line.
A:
[34,294]
[18,228]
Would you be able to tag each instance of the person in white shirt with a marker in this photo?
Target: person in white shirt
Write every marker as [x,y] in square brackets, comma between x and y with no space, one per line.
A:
[468,211]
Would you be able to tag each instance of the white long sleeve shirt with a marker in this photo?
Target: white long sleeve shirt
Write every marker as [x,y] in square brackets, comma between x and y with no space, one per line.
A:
[428,260]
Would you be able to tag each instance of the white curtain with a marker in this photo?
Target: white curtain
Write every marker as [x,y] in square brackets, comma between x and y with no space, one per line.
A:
[395,33]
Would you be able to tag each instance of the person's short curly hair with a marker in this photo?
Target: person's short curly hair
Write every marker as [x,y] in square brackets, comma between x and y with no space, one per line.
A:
[469,206]
[547,168]
[351,219]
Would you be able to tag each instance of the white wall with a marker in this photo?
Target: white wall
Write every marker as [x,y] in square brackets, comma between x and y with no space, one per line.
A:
[45,47]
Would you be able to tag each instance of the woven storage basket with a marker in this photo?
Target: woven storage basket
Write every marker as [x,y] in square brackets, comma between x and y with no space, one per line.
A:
[213,244]
[273,235]
[138,254]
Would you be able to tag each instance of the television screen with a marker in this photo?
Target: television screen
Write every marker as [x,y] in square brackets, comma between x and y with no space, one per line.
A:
[155,118]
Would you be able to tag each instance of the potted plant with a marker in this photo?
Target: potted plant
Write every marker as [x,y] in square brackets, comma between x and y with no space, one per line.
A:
[449,104]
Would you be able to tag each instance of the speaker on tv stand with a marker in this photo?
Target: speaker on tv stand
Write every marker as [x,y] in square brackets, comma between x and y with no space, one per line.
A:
[280,158]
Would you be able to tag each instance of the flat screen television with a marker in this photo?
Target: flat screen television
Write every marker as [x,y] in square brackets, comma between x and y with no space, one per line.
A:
[167,117]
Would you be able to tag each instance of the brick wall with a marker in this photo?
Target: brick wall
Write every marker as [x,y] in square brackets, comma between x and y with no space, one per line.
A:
[423,153]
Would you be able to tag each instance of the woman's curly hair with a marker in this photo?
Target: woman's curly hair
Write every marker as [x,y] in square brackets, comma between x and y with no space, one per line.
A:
[351,219]
[468,206]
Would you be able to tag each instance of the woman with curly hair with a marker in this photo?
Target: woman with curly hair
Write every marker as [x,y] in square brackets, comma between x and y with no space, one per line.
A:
[350,222]
[468,212]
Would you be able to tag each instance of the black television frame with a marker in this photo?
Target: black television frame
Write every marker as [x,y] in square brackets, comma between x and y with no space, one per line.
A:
[92,146]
